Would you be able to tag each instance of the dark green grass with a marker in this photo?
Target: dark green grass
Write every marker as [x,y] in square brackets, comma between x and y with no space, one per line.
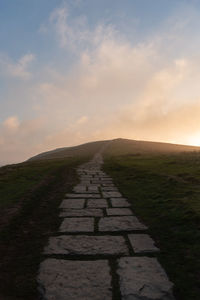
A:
[38,189]
[165,193]
[16,180]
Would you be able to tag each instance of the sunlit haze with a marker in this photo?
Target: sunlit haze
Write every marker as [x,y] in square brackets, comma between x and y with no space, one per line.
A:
[83,70]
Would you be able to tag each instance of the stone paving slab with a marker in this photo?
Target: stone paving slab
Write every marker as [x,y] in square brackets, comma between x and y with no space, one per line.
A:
[87,245]
[108,184]
[73,280]
[119,212]
[97,203]
[92,172]
[119,202]
[79,189]
[85,182]
[142,243]
[125,223]
[109,189]
[94,185]
[106,180]
[73,203]
[93,189]
[94,181]
[85,212]
[143,278]
[83,195]
[77,225]
[111,194]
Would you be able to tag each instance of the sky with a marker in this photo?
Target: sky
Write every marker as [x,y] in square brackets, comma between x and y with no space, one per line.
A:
[75,71]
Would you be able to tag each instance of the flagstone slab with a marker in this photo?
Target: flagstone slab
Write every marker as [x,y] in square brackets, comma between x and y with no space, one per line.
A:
[109,189]
[93,189]
[125,223]
[142,243]
[143,278]
[85,182]
[105,180]
[119,211]
[65,279]
[108,184]
[77,225]
[119,202]
[85,195]
[97,203]
[73,203]
[87,245]
[85,212]
[79,189]
[111,194]
[95,181]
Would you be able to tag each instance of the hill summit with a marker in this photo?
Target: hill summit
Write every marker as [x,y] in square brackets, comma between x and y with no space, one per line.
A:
[118,146]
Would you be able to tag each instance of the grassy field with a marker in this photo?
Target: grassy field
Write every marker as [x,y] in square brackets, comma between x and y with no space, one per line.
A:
[30,194]
[162,183]
[164,190]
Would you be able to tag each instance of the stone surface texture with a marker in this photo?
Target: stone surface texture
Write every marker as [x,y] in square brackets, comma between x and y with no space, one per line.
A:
[118,211]
[87,245]
[142,243]
[111,194]
[109,189]
[143,278]
[97,203]
[125,223]
[119,202]
[79,189]
[77,225]
[73,280]
[73,203]
[83,195]
[86,212]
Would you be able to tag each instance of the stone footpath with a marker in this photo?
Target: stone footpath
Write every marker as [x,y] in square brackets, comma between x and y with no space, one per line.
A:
[101,251]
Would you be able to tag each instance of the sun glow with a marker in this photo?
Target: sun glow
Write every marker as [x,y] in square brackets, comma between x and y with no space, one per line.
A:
[194,140]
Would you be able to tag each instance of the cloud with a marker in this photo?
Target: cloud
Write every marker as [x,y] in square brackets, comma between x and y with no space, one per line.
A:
[59,18]
[82,120]
[73,33]
[18,69]
[11,123]
[21,139]
[136,91]
[116,88]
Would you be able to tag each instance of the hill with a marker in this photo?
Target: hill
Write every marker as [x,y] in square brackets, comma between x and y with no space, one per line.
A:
[80,150]
[161,181]
[115,147]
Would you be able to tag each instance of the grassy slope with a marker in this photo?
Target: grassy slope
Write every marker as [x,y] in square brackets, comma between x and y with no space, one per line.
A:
[165,193]
[81,150]
[36,189]
[30,194]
